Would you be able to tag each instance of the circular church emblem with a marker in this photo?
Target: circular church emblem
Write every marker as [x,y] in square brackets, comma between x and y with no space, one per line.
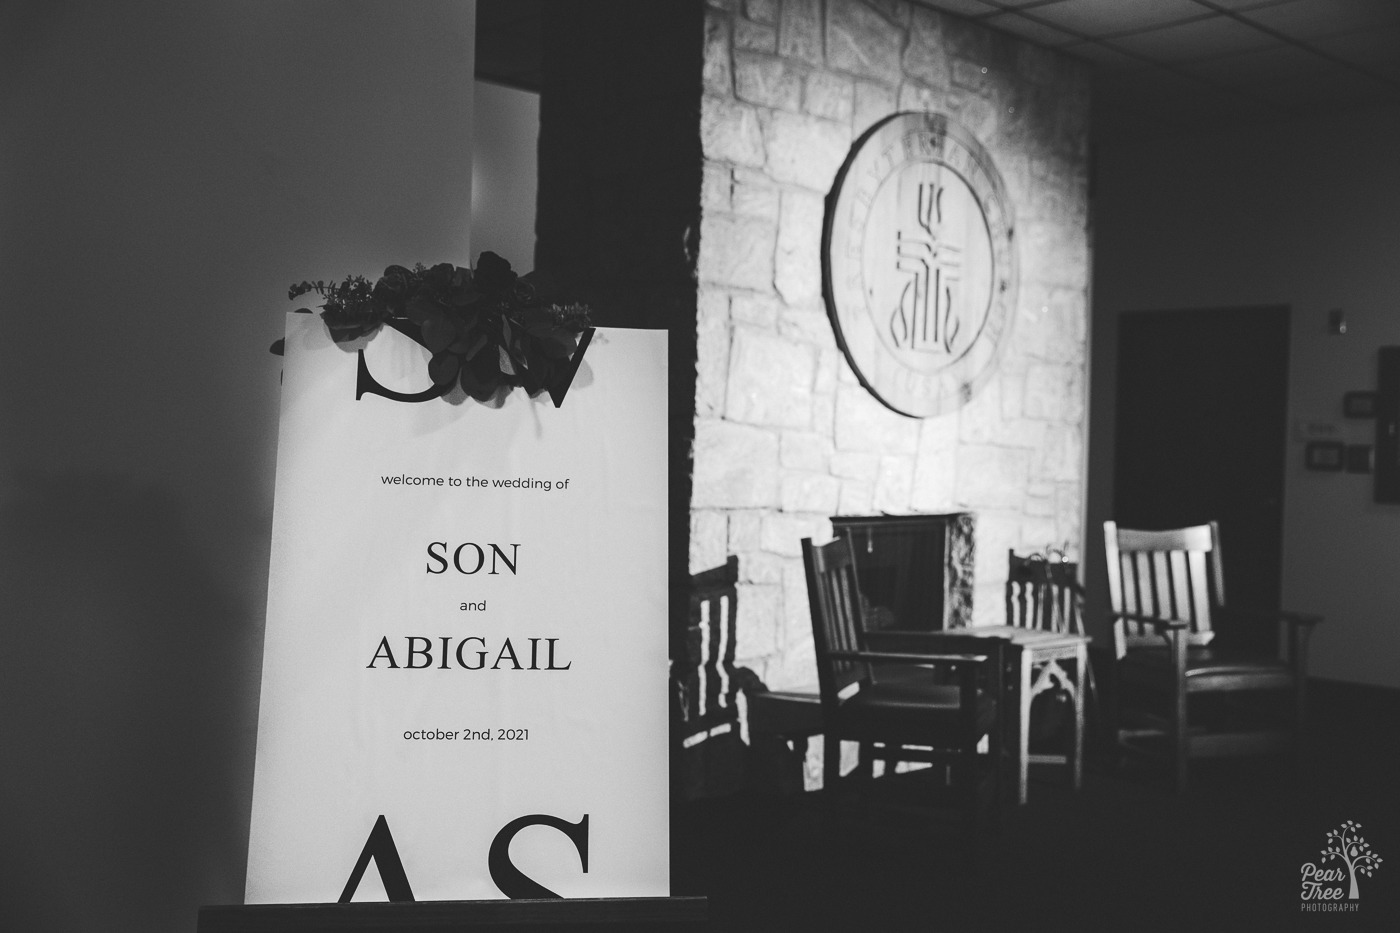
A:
[918,267]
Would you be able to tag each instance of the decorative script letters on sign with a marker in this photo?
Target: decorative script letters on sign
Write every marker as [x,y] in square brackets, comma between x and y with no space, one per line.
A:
[918,265]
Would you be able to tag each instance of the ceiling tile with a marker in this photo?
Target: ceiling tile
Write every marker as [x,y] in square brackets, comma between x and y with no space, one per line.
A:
[1376,50]
[1203,38]
[1334,87]
[1242,5]
[1310,19]
[1029,29]
[1105,58]
[969,8]
[1108,17]
[1281,63]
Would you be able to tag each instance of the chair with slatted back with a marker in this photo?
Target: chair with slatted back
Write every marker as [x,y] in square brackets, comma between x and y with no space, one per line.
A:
[1044,610]
[705,684]
[941,718]
[1167,597]
[1044,593]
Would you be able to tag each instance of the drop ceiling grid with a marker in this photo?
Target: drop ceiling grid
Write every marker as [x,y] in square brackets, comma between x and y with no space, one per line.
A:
[1245,54]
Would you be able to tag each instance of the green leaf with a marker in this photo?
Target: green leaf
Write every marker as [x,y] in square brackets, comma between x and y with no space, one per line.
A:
[443,368]
[476,346]
[438,333]
[420,308]
[505,363]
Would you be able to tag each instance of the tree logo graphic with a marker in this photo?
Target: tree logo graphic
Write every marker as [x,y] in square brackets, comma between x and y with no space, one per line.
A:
[1344,845]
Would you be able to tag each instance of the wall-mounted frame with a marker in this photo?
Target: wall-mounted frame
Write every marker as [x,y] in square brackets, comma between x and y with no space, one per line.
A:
[1359,404]
[1325,455]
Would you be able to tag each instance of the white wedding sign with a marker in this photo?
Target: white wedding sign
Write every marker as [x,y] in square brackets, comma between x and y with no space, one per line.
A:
[464,672]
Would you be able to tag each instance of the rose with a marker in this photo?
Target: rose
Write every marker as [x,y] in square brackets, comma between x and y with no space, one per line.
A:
[392,288]
[493,274]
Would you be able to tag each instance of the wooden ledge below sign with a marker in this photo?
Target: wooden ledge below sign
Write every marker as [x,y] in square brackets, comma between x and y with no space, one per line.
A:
[518,916]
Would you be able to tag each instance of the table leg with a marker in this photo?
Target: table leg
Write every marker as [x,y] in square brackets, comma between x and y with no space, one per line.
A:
[1081,663]
[1023,728]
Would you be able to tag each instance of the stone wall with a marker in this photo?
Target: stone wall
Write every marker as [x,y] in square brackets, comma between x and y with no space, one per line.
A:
[785,436]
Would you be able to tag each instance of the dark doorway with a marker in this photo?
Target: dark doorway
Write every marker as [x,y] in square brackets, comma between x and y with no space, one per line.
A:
[1201,432]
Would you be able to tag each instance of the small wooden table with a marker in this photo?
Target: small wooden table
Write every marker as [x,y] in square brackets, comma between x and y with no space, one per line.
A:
[1040,659]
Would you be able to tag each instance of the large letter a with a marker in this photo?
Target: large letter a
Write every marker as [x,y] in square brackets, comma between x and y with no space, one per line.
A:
[380,847]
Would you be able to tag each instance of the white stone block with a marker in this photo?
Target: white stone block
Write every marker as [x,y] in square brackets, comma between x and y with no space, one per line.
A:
[754,196]
[762,11]
[782,533]
[810,492]
[759,621]
[804,150]
[924,57]
[715,185]
[857,497]
[797,272]
[767,81]
[992,477]
[829,96]
[873,103]
[758,310]
[745,526]
[736,466]
[894,484]
[800,30]
[862,42]
[862,423]
[805,450]
[709,538]
[730,132]
[716,74]
[755,37]
[935,466]
[797,615]
[1054,392]
[758,567]
[855,464]
[1061,455]
[737,251]
[770,380]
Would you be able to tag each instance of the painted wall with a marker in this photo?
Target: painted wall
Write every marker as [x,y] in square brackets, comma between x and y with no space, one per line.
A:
[166,171]
[505,168]
[1302,214]
[785,436]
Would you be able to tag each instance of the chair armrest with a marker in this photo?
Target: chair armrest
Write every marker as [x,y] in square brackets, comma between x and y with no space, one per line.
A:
[1162,625]
[904,657]
[901,640]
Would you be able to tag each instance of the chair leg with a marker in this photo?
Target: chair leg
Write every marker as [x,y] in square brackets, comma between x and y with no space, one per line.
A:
[1023,727]
[831,762]
[1077,750]
[1180,750]
[965,792]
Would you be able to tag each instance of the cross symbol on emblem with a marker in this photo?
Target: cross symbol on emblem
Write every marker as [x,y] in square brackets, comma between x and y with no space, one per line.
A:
[924,318]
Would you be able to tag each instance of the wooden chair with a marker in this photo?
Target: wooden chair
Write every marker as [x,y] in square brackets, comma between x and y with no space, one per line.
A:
[1167,595]
[1044,593]
[705,685]
[938,719]
[731,732]
[1044,610]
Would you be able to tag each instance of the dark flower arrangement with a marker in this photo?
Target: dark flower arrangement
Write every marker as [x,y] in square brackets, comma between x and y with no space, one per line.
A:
[485,328]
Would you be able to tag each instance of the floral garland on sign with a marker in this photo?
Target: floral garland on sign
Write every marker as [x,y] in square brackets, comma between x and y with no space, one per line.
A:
[486,328]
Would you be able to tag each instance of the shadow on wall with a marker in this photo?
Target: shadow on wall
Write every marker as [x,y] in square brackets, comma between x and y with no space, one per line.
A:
[125,716]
